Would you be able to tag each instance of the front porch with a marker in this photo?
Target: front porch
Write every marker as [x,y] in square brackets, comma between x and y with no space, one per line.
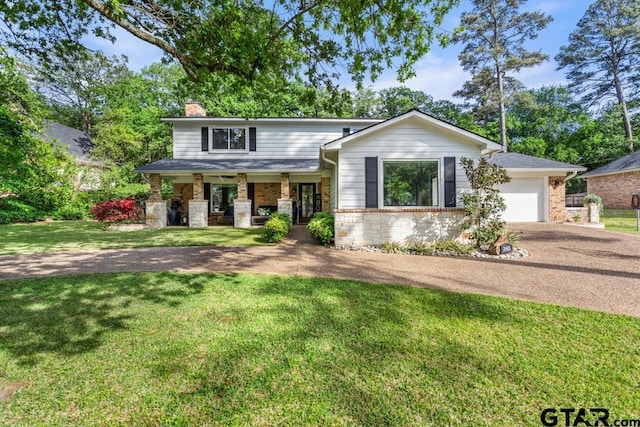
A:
[242,199]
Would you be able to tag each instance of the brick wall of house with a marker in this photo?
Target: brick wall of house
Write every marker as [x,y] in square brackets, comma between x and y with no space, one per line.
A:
[184,193]
[557,209]
[266,194]
[615,190]
[326,193]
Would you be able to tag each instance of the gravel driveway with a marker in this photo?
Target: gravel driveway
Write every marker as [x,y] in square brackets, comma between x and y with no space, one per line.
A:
[568,265]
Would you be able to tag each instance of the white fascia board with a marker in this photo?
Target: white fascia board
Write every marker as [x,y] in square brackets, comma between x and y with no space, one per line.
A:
[477,139]
[542,172]
[367,122]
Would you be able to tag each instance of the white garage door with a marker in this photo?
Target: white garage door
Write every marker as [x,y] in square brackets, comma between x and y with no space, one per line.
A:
[525,200]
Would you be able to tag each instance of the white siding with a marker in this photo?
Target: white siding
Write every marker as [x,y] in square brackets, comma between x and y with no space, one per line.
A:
[409,139]
[273,140]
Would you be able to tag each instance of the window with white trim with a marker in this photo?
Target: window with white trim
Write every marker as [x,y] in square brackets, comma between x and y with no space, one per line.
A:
[410,183]
[229,139]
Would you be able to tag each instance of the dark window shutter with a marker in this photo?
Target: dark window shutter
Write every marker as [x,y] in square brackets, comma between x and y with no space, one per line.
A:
[207,196]
[251,193]
[371,182]
[346,131]
[252,139]
[449,182]
[205,139]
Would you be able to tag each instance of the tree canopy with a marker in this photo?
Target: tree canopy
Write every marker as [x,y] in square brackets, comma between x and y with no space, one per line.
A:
[493,35]
[601,59]
[250,39]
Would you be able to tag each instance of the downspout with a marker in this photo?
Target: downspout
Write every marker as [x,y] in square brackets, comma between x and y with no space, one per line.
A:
[335,165]
[573,174]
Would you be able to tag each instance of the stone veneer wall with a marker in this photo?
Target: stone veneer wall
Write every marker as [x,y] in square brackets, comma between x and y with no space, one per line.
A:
[198,210]
[615,190]
[373,227]
[242,213]
[557,200]
[156,214]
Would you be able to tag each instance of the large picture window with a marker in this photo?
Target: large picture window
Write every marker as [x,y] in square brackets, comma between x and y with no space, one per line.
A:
[413,183]
[229,139]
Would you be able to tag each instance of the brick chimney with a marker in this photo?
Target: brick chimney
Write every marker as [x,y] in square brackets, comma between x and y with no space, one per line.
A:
[194,109]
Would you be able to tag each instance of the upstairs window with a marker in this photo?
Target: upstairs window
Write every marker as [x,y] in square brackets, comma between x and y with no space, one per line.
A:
[229,139]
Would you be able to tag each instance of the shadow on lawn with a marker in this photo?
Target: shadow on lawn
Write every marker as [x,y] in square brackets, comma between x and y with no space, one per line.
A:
[70,315]
[344,348]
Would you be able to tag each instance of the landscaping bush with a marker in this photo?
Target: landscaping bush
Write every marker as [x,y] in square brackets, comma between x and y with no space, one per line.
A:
[12,210]
[321,226]
[116,210]
[276,227]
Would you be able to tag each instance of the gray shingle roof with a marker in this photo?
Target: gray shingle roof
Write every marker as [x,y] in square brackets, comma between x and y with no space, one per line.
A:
[522,161]
[626,163]
[239,165]
[79,143]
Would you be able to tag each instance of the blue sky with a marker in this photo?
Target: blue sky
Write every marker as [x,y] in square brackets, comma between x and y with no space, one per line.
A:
[438,73]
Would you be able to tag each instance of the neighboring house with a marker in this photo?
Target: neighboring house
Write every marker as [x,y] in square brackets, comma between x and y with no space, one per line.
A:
[616,182]
[384,180]
[79,145]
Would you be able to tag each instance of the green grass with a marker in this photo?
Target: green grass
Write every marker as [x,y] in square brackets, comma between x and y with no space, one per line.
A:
[178,349]
[82,235]
[620,220]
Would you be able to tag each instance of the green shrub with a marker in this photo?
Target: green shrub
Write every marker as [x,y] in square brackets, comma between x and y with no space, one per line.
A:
[321,227]
[593,198]
[13,210]
[420,247]
[276,227]
[70,213]
[454,247]
[392,247]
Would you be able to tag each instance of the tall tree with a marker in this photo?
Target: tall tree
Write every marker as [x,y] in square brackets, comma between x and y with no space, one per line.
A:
[602,56]
[73,84]
[36,176]
[247,38]
[494,34]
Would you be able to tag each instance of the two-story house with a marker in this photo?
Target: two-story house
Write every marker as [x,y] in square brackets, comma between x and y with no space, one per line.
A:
[384,180]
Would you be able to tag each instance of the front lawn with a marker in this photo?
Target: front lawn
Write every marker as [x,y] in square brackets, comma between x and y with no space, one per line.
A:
[178,349]
[82,235]
[620,220]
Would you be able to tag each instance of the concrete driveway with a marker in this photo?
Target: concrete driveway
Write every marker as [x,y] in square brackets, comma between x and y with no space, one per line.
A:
[572,266]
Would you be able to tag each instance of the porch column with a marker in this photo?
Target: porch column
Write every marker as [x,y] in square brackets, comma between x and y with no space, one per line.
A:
[156,208]
[325,186]
[557,207]
[285,204]
[242,205]
[198,206]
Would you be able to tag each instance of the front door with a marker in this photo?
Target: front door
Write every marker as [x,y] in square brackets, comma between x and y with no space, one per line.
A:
[307,192]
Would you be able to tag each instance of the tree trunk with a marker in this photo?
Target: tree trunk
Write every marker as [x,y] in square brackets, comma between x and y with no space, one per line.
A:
[501,109]
[626,121]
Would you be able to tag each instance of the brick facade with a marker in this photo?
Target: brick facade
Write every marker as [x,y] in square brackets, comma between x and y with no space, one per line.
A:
[615,190]
[266,194]
[155,182]
[325,185]
[557,208]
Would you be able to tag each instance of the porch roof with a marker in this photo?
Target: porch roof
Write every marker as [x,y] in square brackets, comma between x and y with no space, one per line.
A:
[229,165]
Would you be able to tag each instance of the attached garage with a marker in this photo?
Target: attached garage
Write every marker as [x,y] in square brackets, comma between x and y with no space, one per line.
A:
[536,192]
[525,200]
